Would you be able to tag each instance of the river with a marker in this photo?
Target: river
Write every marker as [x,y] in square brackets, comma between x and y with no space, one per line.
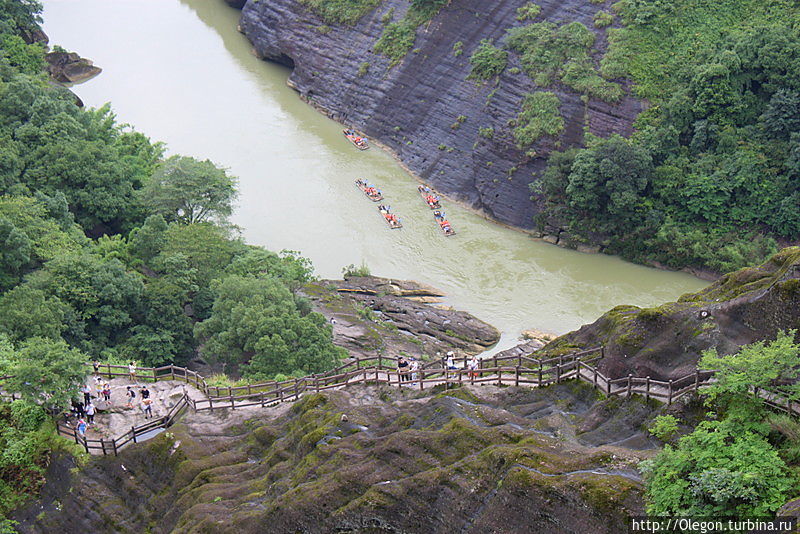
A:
[181,73]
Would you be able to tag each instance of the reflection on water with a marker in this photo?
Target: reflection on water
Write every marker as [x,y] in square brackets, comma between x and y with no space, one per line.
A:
[180,72]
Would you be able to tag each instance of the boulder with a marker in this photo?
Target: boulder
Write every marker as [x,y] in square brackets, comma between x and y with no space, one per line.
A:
[69,67]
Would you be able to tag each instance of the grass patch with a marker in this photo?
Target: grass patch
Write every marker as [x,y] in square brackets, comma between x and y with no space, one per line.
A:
[551,53]
[539,116]
[528,12]
[341,11]
[487,61]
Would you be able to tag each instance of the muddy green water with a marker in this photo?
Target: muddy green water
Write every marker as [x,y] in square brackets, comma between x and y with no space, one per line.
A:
[180,72]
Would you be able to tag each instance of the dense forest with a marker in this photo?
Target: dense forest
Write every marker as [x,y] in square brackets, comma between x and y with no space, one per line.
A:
[711,176]
[112,251]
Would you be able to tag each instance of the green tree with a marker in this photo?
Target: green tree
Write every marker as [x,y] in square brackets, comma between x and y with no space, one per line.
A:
[190,191]
[758,365]
[15,253]
[44,371]
[26,312]
[288,267]
[717,471]
[256,322]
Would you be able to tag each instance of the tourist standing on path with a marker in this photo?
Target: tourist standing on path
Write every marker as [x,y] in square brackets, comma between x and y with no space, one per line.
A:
[414,370]
[90,410]
[144,392]
[473,367]
[131,397]
[148,408]
[132,371]
[402,368]
[96,366]
[107,392]
[80,426]
[87,394]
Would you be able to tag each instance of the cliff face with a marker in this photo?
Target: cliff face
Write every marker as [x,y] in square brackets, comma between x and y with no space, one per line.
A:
[413,107]
[477,460]
[666,342]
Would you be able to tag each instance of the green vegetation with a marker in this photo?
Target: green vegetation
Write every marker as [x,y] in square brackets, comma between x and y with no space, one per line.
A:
[341,11]
[487,61]
[487,132]
[528,12]
[363,69]
[736,464]
[352,270]
[664,427]
[721,134]
[459,121]
[551,53]
[396,41]
[458,48]
[603,19]
[398,38]
[539,116]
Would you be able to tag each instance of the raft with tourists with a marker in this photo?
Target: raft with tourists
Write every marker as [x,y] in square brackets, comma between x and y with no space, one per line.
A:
[372,192]
[430,198]
[443,223]
[390,218]
[359,141]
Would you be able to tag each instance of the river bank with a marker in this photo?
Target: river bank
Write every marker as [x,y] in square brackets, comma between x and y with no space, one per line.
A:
[292,160]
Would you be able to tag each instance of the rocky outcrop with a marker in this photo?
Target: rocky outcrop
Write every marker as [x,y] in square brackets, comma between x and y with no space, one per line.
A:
[372,315]
[69,67]
[474,460]
[414,107]
[666,342]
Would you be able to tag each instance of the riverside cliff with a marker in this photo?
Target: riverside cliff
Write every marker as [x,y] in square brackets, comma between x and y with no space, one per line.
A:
[424,109]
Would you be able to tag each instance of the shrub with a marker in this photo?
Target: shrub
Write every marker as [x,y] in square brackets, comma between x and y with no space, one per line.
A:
[664,427]
[458,48]
[528,12]
[340,11]
[487,61]
[459,121]
[603,19]
[396,40]
[363,69]
[352,270]
[539,116]
[487,132]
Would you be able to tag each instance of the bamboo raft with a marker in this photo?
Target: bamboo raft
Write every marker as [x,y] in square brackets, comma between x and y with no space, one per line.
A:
[429,197]
[371,192]
[390,218]
[443,223]
[357,140]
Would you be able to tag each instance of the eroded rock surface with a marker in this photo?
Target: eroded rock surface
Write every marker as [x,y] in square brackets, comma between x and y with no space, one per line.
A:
[414,107]
[477,459]
[372,315]
[69,67]
[666,342]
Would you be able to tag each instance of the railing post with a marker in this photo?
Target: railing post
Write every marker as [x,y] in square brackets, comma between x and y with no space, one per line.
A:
[211,404]
[155,376]
[358,363]
[380,361]
[495,361]
[519,360]
[296,389]
[399,382]
[647,389]
[280,392]
[249,391]
[516,376]
[172,372]
[262,399]
[696,379]
[558,371]
[114,445]
[608,386]
[669,394]
[499,375]
[540,373]
[602,351]
[103,445]
[316,383]
[109,371]
[133,431]
[231,399]
[630,377]
[594,378]
[421,377]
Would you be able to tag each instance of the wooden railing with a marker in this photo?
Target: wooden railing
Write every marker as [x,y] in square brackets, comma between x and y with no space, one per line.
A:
[525,371]
[108,446]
